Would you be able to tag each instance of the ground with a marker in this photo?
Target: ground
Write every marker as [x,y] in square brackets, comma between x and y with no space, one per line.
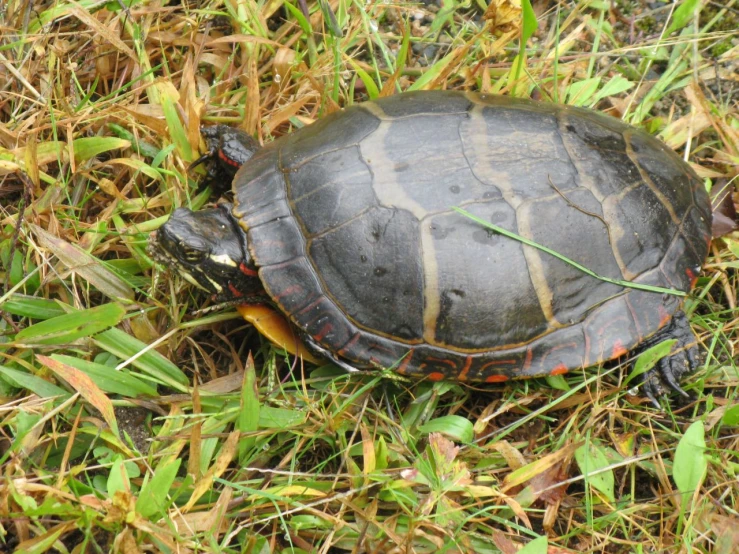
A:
[134,421]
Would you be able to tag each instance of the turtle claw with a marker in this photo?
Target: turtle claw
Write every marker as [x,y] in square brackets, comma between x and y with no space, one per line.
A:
[651,393]
[668,372]
[202,159]
[668,375]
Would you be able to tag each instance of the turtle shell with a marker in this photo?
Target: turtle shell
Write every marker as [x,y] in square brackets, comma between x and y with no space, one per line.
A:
[351,223]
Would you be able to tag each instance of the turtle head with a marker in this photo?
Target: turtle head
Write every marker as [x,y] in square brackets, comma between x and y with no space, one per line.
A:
[208,248]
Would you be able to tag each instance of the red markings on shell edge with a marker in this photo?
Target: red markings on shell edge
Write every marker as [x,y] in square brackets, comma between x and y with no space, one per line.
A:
[463,374]
[236,292]
[527,361]
[559,369]
[692,276]
[436,376]
[293,289]
[618,350]
[222,156]
[664,317]
[450,363]
[247,270]
[403,367]
[512,363]
[496,379]
[325,330]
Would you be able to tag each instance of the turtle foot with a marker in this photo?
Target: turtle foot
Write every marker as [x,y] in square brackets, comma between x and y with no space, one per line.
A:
[670,370]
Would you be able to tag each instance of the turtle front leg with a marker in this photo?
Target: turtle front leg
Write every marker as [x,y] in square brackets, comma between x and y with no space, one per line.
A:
[683,360]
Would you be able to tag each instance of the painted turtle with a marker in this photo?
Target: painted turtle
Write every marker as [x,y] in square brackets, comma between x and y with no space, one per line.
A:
[348,227]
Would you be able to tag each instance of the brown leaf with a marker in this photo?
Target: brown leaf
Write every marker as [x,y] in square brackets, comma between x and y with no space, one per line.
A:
[724,211]
[125,542]
[82,383]
[513,457]
[193,461]
[529,471]
[545,484]
[49,537]
[517,509]
[104,31]
[506,545]
[227,453]
[86,266]
[213,520]
[504,16]
[726,529]
[368,450]
[225,384]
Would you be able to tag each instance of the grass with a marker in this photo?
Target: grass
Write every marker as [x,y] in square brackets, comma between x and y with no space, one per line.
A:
[130,423]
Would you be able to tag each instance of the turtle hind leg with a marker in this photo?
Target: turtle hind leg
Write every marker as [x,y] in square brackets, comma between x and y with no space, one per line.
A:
[670,370]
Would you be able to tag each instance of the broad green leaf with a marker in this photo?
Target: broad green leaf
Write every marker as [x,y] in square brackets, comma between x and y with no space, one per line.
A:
[110,379]
[86,148]
[557,382]
[279,418]
[248,418]
[649,358]
[538,546]
[67,328]
[591,459]
[139,146]
[731,416]
[453,426]
[118,478]
[616,85]
[581,92]
[140,166]
[32,307]
[690,464]
[683,15]
[36,385]
[153,498]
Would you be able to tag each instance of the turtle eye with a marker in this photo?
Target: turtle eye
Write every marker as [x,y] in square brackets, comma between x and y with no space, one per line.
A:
[193,255]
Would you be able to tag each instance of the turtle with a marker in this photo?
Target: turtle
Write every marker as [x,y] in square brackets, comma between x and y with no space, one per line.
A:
[453,235]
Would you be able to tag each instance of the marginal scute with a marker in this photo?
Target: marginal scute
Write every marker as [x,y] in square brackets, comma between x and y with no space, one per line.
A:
[351,221]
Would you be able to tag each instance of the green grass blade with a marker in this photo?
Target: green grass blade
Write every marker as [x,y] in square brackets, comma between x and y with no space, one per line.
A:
[67,328]
[509,234]
[36,385]
[108,378]
[32,307]
[151,362]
